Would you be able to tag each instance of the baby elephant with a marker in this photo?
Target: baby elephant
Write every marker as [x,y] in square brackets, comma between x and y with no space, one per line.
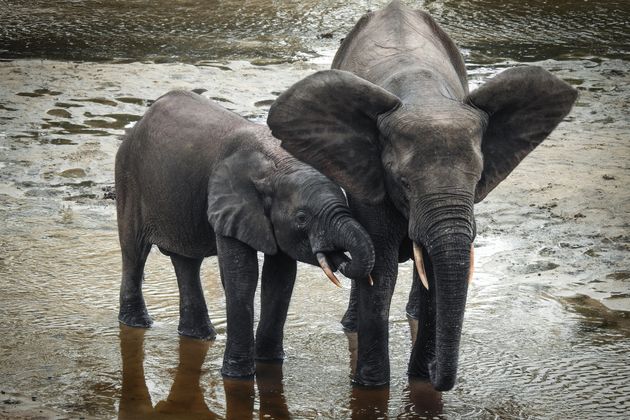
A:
[197,180]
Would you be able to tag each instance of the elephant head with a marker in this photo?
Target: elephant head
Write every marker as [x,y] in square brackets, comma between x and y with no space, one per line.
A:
[433,158]
[269,203]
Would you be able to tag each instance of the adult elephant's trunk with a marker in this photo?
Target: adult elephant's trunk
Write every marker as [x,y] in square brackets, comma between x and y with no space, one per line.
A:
[444,226]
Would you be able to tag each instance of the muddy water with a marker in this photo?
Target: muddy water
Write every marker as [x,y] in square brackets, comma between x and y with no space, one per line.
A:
[547,330]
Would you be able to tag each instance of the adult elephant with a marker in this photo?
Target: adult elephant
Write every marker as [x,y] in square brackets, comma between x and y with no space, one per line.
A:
[395,125]
[197,180]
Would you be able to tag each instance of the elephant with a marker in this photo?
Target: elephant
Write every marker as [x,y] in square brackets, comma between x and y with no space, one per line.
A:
[393,122]
[197,180]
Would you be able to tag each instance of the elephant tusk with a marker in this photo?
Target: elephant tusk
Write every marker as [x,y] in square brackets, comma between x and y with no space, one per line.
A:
[417,257]
[371,280]
[471,270]
[323,263]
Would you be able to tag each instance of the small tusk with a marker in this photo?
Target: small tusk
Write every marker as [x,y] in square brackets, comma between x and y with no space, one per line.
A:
[471,270]
[417,256]
[370,280]
[323,263]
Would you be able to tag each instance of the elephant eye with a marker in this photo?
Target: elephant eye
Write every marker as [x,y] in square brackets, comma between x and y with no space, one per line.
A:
[404,183]
[301,218]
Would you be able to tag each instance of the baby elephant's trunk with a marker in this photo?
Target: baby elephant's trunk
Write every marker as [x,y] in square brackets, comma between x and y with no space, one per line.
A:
[355,240]
[349,238]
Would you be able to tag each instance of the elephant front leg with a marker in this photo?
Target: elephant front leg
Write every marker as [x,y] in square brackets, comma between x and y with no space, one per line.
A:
[423,351]
[373,327]
[414,306]
[194,320]
[278,278]
[239,273]
[387,229]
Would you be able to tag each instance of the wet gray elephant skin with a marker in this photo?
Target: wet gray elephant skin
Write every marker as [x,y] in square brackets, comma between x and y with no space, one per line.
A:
[395,125]
[197,180]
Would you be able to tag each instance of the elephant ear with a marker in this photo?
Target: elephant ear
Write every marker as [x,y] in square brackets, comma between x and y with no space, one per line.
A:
[524,104]
[329,120]
[235,204]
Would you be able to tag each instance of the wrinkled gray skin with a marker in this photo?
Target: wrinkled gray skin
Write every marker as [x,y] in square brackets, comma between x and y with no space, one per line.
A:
[395,125]
[197,180]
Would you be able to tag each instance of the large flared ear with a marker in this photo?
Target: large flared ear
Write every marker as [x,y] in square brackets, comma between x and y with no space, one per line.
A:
[329,120]
[235,204]
[524,105]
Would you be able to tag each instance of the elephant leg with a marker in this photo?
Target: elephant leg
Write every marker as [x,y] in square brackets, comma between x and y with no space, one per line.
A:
[373,302]
[278,278]
[133,310]
[194,320]
[424,343]
[349,320]
[413,305]
[373,325]
[239,273]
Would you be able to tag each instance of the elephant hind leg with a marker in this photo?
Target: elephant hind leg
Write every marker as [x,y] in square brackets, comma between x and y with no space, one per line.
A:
[194,320]
[133,310]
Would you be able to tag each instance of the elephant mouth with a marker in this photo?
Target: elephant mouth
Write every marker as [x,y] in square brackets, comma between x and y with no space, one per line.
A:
[330,262]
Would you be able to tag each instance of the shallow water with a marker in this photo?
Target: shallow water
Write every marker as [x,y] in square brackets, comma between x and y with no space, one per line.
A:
[192,30]
[547,330]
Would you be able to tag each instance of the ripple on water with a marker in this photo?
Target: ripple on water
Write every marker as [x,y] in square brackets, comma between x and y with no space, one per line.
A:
[546,356]
[266,32]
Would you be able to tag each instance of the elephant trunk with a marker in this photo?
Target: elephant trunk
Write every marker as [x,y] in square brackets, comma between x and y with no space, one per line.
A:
[355,239]
[444,225]
[349,237]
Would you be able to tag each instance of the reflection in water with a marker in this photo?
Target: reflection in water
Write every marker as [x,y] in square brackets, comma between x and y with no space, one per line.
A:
[422,399]
[186,396]
[369,403]
[239,396]
[273,403]
[419,397]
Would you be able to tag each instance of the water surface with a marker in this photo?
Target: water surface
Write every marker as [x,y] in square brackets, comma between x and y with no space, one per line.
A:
[546,333]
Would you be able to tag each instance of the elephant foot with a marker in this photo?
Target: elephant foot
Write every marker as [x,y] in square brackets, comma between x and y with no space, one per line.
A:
[370,376]
[420,370]
[243,369]
[201,332]
[362,382]
[270,355]
[140,319]
[269,349]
